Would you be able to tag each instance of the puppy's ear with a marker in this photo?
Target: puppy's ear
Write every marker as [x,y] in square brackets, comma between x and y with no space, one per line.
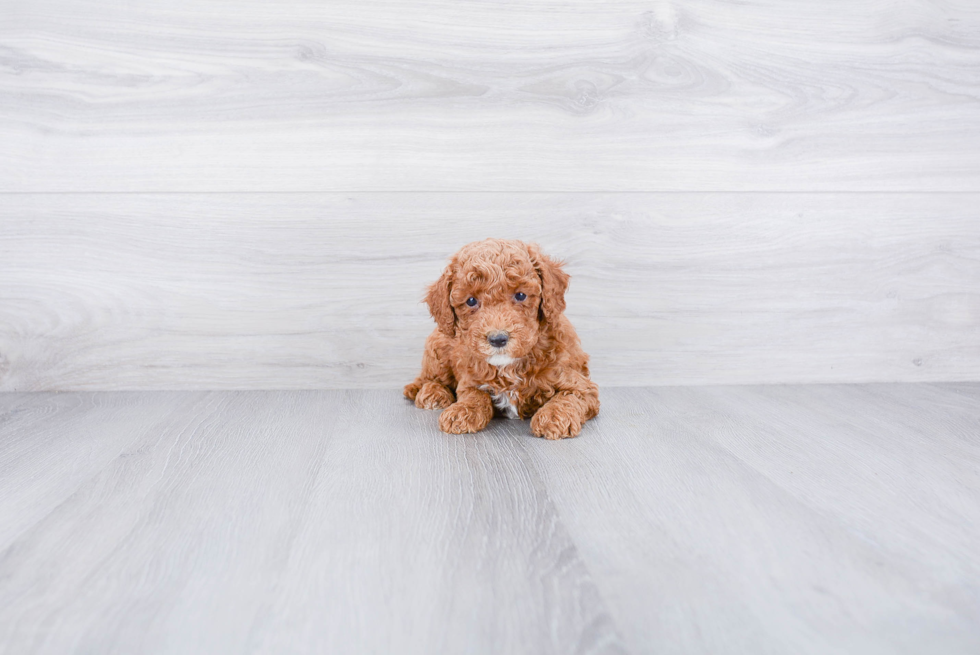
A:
[438,300]
[554,282]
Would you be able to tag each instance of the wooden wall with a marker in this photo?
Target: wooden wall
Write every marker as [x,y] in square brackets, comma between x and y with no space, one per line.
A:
[250,194]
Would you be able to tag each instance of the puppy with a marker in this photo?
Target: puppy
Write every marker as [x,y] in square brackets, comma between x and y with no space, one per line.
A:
[503,343]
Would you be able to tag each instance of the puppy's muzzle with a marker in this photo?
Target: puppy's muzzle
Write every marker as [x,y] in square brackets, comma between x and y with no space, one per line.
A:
[498,338]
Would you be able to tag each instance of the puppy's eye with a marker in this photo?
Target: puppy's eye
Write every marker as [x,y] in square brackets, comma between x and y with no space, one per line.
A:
[471,301]
[520,296]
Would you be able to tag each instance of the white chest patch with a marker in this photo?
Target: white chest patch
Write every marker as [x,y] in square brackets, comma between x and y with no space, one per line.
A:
[502,401]
[501,360]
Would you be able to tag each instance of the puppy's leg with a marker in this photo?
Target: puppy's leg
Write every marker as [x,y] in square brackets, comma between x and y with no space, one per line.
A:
[470,413]
[432,395]
[433,388]
[563,415]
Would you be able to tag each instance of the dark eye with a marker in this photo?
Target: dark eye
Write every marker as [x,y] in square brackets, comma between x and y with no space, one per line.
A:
[520,296]
[471,301]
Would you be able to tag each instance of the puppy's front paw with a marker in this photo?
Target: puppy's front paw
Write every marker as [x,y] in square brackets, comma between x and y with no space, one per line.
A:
[461,419]
[433,395]
[556,422]
[411,390]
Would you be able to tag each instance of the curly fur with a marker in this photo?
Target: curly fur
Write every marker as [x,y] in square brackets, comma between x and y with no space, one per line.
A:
[541,373]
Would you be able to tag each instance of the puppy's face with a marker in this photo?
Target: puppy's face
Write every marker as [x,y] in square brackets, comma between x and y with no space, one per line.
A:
[496,296]
[496,305]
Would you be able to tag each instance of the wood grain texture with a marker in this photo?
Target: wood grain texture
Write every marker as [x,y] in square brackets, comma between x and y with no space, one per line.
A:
[323,291]
[52,445]
[287,522]
[814,519]
[541,95]
[802,519]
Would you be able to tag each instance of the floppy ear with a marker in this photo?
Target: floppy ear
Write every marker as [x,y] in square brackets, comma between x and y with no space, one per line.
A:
[438,300]
[554,282]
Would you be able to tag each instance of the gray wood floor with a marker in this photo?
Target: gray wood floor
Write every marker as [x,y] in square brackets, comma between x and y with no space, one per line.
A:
[774,519]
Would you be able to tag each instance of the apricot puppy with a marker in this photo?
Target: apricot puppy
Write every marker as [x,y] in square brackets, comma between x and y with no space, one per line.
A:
[502,343]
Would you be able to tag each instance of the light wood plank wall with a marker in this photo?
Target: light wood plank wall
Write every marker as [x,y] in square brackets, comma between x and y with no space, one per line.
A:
[253,194]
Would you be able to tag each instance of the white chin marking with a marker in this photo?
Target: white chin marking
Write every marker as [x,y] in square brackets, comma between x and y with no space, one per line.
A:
[501,360]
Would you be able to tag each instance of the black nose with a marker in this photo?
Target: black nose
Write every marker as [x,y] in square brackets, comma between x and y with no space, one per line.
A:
[498,339]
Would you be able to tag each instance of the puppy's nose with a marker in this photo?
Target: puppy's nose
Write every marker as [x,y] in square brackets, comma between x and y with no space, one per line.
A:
[498,339]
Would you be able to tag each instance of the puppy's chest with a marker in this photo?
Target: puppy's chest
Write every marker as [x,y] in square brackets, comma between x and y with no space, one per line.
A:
[506,400]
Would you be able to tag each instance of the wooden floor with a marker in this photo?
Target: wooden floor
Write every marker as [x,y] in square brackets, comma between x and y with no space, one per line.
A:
[774,519]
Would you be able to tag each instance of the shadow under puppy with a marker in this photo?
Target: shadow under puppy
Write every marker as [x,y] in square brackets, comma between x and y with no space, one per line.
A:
[503,342]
